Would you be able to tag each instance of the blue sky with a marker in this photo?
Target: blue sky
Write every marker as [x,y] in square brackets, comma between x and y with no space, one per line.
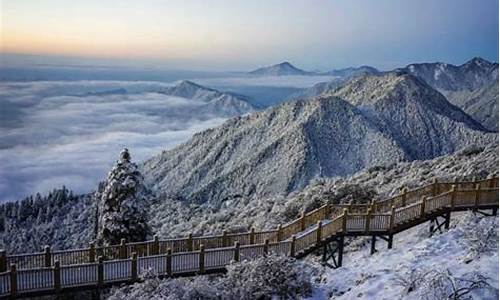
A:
[239,35]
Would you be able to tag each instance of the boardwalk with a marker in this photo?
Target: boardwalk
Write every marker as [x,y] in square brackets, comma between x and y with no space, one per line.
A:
[324,229]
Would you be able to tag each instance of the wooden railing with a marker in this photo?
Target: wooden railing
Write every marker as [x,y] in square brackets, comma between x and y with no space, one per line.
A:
[94,266]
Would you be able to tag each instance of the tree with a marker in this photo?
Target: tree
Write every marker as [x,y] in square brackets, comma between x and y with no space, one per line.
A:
[122,212]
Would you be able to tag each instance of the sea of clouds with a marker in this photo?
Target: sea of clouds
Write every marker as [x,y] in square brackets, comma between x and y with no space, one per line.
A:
[70,133]
[55,133]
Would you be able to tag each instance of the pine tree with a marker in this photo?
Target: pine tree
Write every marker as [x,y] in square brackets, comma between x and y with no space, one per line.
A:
[121,207]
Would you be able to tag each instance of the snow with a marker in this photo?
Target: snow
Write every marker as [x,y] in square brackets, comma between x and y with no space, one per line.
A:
[365,276]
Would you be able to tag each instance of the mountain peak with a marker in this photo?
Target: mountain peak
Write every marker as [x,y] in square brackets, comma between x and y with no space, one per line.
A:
[478,62]
[190,84]
[282,69]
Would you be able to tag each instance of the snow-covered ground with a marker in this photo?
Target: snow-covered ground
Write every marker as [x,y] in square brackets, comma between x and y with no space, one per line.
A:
[380,276]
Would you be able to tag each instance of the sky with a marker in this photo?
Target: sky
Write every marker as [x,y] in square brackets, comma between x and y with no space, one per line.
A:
[242,35]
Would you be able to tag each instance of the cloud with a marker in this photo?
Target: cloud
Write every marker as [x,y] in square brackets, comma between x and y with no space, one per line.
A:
[65,135]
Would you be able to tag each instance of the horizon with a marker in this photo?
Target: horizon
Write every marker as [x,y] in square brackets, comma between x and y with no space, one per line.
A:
[227,36]
[9,60]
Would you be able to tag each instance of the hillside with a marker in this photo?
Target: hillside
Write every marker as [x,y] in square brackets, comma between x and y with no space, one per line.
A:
[170,217]
[383,119]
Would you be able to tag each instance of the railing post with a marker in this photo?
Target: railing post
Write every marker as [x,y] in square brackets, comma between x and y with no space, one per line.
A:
[225,240]
[3,261]
[189,242]
[492,181]
[292,246]
[404,193]
[327,211]
[279,234]
[391,220]
[344,221]
[92,253]
[266,247]
[133,267]
[123,249]
[303,221]
[202,259]
[13,280]
[155,246]
[57,275]
[476,196]
[47,256]
[453,197]
[349,207]
[100,271]
[318,233]
[368,219]
[168,264]
[252,236]
[422,207]
[435,187]
[236,251]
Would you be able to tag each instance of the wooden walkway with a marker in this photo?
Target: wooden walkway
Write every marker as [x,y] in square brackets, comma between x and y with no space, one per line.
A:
[50,272]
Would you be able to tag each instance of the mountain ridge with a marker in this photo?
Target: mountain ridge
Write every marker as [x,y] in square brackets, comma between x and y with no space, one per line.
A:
[281,149]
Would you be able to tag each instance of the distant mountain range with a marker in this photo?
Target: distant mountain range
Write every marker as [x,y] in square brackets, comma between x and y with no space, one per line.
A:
[472,86]
[367,121]
[287,69]
[221,103]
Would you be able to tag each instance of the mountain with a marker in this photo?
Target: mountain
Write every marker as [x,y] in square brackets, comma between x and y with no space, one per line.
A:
[419,118]
[316,90]
[282,69]
[369,121]
[471,75]
[216,102]
[463,85]
[342,76]
[482,105]
[352,72]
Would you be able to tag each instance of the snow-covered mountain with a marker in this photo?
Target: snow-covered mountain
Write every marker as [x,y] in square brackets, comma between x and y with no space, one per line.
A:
[316,90]
[369,121]
[281,69]
[342,75]
[352,72]
[471,75]
[216,102]
[465,85]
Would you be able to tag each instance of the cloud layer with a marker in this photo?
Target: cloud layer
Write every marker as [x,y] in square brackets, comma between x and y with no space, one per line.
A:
[70,133]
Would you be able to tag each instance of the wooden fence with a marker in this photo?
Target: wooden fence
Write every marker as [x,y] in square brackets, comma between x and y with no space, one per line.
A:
[96,266]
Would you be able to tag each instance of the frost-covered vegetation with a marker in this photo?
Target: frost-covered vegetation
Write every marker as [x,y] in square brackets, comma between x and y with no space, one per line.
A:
[169,217]
[122,204]
[263,278]
[59,219]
